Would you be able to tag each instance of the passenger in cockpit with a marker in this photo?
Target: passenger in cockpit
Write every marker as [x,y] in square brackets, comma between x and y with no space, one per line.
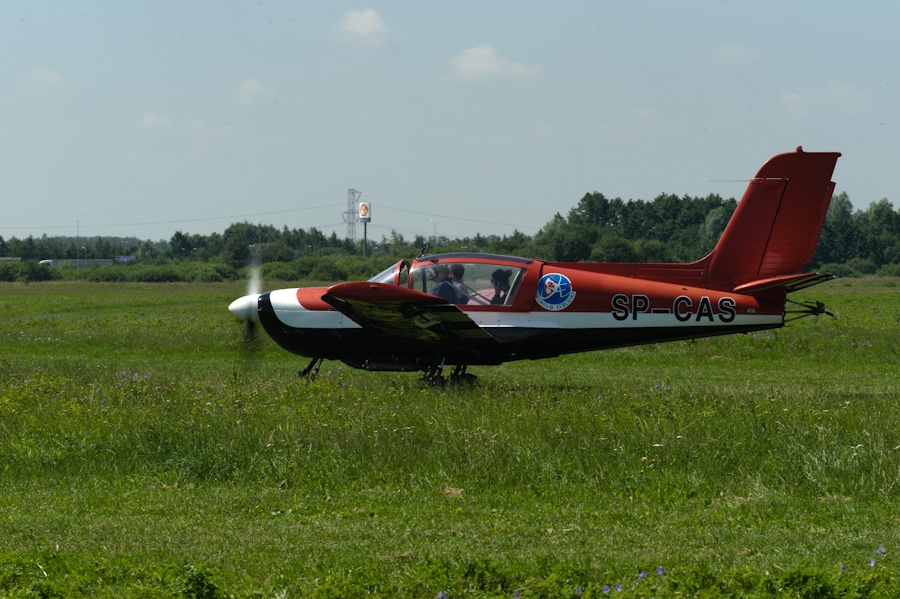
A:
[500,281]
[457,272]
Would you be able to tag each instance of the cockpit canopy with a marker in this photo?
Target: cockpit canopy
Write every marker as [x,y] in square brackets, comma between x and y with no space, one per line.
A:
[486,280]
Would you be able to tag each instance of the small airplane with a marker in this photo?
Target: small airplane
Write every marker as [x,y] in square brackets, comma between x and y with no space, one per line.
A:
[465,309]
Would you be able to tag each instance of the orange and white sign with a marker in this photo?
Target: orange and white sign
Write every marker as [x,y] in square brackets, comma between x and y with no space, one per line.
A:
[365,212]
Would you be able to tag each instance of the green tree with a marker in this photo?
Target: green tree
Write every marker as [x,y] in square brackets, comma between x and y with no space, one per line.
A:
[841,237]
[880,226]
[713,226]
[147,251]
[613,248]
[275,252]
[102,248]
[236,252]
[179,246]
[560,242]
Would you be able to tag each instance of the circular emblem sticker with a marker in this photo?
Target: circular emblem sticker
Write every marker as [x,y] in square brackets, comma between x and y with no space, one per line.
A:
[554,292]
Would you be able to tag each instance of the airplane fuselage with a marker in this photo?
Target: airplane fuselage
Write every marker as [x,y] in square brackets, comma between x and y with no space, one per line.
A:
[553,310]
[468,308]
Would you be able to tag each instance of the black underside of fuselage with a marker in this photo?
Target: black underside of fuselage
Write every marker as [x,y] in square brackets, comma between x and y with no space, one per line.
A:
[373,350]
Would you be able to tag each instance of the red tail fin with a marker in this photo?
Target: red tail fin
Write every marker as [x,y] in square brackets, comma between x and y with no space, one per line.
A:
[776,226]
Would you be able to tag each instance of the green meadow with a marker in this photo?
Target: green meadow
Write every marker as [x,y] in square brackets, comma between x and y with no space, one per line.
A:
[147,449]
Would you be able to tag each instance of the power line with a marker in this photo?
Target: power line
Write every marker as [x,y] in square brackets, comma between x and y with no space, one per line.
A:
[185,220]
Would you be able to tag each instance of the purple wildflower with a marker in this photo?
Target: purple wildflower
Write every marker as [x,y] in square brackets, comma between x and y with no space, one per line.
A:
[881,550]
[605,588]
[441,595]
[872,563]
[579,591]
[618,587]
[843,567]
[660,571]
[642,575]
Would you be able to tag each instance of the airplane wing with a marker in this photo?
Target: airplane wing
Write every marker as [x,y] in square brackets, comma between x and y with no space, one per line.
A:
[404,312]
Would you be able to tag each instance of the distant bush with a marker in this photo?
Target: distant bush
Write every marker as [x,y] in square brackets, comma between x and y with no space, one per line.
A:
[156,271]
[304,266]
[862,266]
[839,270]
[155,274]
[359,268]
[206,272]
[328,270]
[281,271]
[858,267]
[107,274]
[889,270]
[26,272]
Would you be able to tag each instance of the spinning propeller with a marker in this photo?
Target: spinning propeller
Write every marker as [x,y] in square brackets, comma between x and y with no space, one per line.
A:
[246,307]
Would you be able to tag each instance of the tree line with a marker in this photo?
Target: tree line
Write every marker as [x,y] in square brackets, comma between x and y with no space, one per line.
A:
[669,228]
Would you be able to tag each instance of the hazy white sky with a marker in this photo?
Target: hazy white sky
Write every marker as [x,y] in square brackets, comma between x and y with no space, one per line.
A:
[143,118]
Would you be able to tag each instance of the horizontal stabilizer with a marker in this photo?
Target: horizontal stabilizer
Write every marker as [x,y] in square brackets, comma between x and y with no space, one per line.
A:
[789,283]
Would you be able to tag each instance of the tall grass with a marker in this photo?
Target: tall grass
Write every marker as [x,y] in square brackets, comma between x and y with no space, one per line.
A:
[146,450]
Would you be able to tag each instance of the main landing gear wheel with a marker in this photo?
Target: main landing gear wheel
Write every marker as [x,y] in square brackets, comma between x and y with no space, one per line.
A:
[461,377]
[434,378]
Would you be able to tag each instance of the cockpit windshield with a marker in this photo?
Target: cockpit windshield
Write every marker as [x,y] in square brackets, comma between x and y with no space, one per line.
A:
[396,274]
[385,276]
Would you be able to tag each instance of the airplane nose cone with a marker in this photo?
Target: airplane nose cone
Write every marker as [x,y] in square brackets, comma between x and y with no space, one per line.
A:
[246,308]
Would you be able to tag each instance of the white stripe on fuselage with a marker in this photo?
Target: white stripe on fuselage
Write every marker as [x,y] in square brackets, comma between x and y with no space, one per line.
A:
[605,320]
[293,314]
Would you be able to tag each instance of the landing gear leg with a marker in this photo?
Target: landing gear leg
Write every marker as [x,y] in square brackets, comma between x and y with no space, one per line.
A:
[434,375]
[310,372]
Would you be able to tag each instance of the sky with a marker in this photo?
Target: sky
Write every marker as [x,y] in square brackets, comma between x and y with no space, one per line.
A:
[141,119]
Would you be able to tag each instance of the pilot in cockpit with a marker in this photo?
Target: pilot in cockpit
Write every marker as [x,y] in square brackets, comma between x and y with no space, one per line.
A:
[448,283]
[443,287]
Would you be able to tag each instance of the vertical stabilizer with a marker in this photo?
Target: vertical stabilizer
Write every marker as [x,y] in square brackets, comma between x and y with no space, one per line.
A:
[776,226]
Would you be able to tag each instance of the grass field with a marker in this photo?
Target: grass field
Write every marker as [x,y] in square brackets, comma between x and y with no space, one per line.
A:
[146,451]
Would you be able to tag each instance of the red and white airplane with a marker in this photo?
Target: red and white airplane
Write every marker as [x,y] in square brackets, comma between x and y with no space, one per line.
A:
[509,308]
